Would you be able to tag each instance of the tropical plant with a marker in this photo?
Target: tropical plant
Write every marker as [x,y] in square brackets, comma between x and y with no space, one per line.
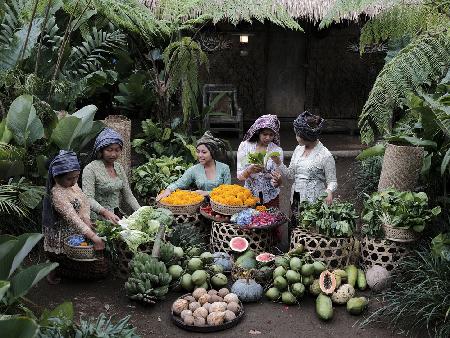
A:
[155,175]
[104,327]
[367,175]
[440,246]
[424,59]
[418,297]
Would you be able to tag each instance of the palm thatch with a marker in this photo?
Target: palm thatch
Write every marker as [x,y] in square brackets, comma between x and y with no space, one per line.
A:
[312,10]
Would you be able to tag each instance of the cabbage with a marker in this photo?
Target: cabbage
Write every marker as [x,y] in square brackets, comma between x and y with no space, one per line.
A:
[134,238]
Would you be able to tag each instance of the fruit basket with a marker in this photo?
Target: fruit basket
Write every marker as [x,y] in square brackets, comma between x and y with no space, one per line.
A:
[207,212]
[77,248]
[178,321]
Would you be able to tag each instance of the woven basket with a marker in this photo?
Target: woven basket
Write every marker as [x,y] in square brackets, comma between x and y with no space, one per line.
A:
[400,235]
[382,252]
[259,240]
[334,252]
[181,209]
[227,209]
[401,167]
[187,218]
[79,253]
[122,125]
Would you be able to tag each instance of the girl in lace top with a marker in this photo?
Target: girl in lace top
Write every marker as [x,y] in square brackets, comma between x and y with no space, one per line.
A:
[312,165]
[263,135]
[105,182]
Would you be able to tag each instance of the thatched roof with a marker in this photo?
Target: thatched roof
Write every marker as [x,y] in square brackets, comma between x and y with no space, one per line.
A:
[313,10]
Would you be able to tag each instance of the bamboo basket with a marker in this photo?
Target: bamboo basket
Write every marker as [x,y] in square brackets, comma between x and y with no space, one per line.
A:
[228,210]
[382,252]
[400,235]
[181,209]
[79,253]
[122,125]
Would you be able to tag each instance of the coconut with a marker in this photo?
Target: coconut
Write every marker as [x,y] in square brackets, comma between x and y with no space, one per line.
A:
[207,257]
[343,294]
[295,263]
[195,264]
[229,316]
[223,292]
[231,297]
[189,298]
[279,271]
[378,278]
[293,276]
[205,298]
[175,271]
[216,298]
[201,311]
[273,294]
[199,277]
[198,293]
[189,320]
[185,313]
[235,307]
[216,268]
[199,321]
[219,280]
[288,298]
[280,283]
[297,289]
[194,306]
[218,307]
[178,252]
[186,282]
[179,305]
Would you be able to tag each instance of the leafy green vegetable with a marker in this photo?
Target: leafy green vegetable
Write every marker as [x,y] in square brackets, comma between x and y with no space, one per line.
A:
[440,246]
[256,157]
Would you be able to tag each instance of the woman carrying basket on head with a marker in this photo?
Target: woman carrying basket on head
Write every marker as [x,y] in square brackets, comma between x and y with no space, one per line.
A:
[312,165]
[105,181]
[208,173]
[65,209]
[263,181]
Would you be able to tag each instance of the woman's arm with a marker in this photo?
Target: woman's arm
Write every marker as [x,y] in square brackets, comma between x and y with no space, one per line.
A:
[244,170]
[184,181]
[88,184]
[329,167]
[289,172]
[126,193]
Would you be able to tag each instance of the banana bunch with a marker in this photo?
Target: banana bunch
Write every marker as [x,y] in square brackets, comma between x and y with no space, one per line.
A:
[148,281]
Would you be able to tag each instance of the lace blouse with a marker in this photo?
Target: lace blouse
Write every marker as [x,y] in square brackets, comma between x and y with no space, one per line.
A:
[196,175]
[72,210]
[105,191]
[259,182]
[312,174]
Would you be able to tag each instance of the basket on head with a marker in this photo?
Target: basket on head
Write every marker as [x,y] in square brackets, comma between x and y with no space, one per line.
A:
[228,209]
[79,253]
[382,252]
[333,252]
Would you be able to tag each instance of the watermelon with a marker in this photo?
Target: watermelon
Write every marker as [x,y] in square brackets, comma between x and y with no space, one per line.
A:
[265,257]
[238,244]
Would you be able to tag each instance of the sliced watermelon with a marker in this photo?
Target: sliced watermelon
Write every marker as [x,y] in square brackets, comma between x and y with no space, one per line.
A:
[238,244]
[265,257]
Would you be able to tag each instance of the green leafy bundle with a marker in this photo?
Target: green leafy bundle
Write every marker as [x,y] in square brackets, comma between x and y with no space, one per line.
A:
[404,210]
[440,246]
[335,220]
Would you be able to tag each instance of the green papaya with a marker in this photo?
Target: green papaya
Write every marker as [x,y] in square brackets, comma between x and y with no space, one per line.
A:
[352,275]
[361,281]
[356,306]
[324,307]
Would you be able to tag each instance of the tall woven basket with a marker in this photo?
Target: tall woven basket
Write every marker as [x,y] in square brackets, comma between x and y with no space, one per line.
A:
[333,252]
[260,240]
[122,125]
[382,252]
[401,167]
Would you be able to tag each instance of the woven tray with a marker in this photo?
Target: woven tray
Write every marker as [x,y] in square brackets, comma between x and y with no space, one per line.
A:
[179,322]
[259,240]
[79,253]
[181,209]
[227,209]
[382,252]
[334,252]
[400,235]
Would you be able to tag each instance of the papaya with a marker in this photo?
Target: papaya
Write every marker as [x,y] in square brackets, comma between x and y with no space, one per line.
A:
[356,306]
[361,281]
[324,307]
[327,282]
[352,275]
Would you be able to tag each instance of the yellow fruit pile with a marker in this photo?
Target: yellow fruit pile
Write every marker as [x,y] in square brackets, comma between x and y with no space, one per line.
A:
[182,197]
[233,195]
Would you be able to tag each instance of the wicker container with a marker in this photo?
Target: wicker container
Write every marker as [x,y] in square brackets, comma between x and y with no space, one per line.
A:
[122,125]
[260,240]
[181,209]
[79,253]
[84,270]
[401,167]
[227,209]
[333,252]
[400,235]
[382,252]
[187,218]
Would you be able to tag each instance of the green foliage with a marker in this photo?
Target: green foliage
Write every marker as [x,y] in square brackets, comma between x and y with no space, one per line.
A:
[367,175]
[418,297]
[134,93]
[404,210]
[18,327]
[440,246]
[150,178]
[342,9]
[189,236]
[104,327]
[183,60]
[335,220]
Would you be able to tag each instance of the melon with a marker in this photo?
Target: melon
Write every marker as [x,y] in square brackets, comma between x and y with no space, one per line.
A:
[239,244]
[265,258]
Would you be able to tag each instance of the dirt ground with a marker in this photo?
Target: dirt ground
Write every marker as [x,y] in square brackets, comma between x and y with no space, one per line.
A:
[263,319]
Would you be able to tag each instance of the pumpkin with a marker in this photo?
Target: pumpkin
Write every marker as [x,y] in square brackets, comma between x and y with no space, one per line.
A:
[247,290]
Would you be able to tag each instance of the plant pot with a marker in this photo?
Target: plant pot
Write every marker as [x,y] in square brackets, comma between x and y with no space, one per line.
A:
[400,235]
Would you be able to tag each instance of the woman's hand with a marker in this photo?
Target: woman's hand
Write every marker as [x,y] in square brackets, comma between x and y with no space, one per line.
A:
[276,160]
[276,179]
[255,168]
[202,192]
[329,198]
[98,243]
[163,194]
[110,216]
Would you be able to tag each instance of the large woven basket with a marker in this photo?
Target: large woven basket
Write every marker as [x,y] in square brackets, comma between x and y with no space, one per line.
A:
[187,218]
[334,252]
[382,252]
[79,253]
[122,125]
[400,235]
[260,240]
[84,270]
[227,209]
[181,209]
[401,167]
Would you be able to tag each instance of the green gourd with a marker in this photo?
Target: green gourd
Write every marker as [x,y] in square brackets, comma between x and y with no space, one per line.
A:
[247,290]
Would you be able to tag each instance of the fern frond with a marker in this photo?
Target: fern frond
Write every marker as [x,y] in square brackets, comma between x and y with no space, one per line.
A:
[17,198]
[88,57]
[424,60]
[11,22]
